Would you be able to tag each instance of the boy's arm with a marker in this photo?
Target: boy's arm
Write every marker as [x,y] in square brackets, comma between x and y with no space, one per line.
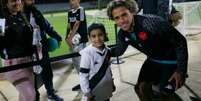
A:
[84,74]
[75,28]
[67,30]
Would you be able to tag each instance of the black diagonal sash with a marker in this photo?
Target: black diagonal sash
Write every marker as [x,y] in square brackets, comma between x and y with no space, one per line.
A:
[101,72]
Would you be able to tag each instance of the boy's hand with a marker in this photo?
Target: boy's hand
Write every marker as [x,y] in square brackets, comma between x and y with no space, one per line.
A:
[90,97]
[69,40]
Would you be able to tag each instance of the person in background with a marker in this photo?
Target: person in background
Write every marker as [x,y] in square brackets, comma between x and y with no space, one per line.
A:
[16,48]
[162,8]
[95,73]
[41,28]
[76,36]
[165,48]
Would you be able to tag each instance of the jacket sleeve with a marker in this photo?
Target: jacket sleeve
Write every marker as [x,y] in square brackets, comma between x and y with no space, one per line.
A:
[120,46]
[45,25]
[51,32]
[170,34]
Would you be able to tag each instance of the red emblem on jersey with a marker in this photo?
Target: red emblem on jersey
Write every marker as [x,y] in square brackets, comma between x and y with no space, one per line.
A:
[143,36]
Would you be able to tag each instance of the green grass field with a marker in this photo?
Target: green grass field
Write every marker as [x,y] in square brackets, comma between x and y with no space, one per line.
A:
[59,22]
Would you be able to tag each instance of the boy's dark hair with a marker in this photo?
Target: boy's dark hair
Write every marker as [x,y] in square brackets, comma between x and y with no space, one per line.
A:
[131,5]
[98,26]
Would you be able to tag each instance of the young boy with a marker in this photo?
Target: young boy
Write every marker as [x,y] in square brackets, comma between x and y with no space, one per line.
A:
[76,36]
[95,73]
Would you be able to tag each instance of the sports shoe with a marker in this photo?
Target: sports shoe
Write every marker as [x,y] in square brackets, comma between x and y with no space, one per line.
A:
[55,97]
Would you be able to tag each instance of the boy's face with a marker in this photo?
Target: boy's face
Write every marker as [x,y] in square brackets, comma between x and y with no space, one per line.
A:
[74,3]
[123,18]
[97,38]
[14,6]
[29,2]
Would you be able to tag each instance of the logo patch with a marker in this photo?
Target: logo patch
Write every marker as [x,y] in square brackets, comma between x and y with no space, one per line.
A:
[143,36]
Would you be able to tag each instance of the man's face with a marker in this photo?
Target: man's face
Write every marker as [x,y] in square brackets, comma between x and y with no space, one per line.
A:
[29,2]
[123,18]
[14,6]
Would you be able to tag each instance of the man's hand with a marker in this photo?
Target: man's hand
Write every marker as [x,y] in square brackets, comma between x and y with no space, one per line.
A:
[178,78]
[175,18]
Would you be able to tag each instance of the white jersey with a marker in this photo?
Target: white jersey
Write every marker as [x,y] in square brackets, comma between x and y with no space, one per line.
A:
[91,65]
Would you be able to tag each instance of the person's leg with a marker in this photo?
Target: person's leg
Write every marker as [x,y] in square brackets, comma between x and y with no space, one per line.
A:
[26,89]
[143,87]
[22,79]
[166,73]
[47,74]
[47,77]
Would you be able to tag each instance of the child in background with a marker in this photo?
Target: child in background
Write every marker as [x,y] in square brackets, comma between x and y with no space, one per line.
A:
[95,73]
[76,35]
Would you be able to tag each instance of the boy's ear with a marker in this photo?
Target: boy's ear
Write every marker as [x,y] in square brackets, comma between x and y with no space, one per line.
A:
[106,37]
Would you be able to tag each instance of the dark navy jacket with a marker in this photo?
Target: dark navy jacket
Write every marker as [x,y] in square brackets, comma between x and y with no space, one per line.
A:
[17,41]
[44,25]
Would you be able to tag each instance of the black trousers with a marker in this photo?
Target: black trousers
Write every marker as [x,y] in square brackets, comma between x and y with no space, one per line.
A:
[156,73]
[47,73]
[153,73]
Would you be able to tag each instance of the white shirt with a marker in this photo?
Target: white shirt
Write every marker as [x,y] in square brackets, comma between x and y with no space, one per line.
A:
[92,59]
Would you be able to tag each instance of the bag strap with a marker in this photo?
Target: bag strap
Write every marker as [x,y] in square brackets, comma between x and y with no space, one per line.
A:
[101,73]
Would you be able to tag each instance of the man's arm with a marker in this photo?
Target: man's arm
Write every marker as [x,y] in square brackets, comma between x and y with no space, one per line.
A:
[120,46]
[51,32]
[169,33]
[180,44]
[45,25]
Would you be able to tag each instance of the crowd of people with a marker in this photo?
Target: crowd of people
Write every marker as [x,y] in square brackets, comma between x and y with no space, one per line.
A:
[24,38]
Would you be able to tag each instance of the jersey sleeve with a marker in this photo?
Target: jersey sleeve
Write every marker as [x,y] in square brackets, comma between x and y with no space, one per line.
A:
[81,14]
[84,72]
